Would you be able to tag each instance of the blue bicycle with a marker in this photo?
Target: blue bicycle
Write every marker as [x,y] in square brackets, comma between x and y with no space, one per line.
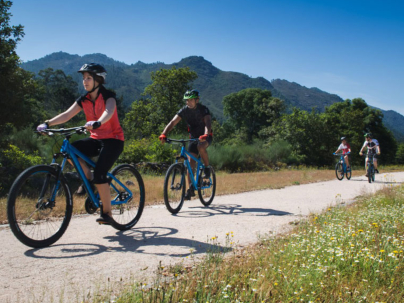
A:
[40,203]
[341,168]
[370,169]
[175,183]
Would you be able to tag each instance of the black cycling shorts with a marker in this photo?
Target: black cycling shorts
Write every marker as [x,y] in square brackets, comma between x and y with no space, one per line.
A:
[193,146]
[107,150]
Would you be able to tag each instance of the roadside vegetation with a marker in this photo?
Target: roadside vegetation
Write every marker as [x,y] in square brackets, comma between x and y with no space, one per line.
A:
[351,253]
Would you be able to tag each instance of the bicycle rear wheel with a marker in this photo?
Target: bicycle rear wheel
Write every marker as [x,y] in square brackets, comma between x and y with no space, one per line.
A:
[339,171]
[174,188]
[35,219]
[128,196]
[207,188]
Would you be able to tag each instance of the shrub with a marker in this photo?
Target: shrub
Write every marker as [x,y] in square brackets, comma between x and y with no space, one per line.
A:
[12,162]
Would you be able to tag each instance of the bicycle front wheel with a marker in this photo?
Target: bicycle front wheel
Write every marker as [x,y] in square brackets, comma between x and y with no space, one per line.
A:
[174,188]
[339,171]
[128,196]
[369,173]
[207,188]
[348,173]
[39,208]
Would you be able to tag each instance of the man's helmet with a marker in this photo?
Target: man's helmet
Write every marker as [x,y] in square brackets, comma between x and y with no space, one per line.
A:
[93,68]
[191,94]
[368,135]
[343,138]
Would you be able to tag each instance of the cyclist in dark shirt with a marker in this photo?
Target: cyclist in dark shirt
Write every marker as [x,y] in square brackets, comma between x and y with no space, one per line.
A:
[198,119]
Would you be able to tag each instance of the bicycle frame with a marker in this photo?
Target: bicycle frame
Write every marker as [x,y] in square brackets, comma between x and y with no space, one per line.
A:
[199,165]
[68,151]
[342,159]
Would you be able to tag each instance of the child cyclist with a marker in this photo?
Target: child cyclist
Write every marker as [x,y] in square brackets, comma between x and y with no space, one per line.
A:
[346,149]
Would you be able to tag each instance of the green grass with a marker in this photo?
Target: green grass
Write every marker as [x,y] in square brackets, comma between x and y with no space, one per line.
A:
[346,254]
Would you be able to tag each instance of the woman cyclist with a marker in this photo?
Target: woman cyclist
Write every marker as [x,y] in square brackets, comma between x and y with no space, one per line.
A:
[106,140]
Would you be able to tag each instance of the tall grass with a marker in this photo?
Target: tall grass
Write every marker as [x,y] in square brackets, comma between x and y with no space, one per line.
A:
[346,254]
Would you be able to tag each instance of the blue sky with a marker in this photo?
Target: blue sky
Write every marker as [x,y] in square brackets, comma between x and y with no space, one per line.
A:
[350,48]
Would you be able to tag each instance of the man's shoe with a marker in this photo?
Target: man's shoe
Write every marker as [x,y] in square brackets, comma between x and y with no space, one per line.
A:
[206,173]
[190,193]
[105,219]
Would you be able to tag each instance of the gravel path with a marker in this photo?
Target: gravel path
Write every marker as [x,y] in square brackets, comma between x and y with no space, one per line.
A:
[90,256]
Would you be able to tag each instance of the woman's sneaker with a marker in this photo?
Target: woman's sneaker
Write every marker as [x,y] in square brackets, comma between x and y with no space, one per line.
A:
[105,219]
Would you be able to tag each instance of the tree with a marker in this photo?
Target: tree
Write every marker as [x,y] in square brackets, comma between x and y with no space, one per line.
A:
[60,90]
[355,118]
[164,97]
[17,88]
[252,109]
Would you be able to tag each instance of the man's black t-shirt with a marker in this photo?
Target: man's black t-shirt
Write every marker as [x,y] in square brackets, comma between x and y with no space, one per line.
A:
[195,119]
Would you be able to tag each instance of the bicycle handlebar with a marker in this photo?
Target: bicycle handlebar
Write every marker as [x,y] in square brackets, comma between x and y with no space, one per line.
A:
[65,131]
[341,154]
[183,141]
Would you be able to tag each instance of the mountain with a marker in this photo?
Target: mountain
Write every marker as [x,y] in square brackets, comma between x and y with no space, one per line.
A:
[129,82]
[303,97]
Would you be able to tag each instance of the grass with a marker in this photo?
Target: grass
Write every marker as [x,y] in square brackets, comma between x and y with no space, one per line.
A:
[346,254]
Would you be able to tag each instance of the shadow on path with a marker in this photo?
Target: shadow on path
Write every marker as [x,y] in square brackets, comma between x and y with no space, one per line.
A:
[134,240]
[229,209]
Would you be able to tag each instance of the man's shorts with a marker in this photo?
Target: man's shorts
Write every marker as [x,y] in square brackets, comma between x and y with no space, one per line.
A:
[193,146]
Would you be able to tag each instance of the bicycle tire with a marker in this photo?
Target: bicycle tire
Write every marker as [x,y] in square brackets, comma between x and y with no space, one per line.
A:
[174,188]
[127,214]
[339,171]
[206,195]
[348,174]
[369,171]
[34,221]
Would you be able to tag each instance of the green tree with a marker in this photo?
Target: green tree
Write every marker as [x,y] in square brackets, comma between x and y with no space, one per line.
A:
[400,154]
[17,88]
[60,90]
[163,99]
[251,110]
[355,118]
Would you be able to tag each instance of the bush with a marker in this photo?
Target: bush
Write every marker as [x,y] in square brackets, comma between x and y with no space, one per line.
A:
[147,149]
[12,162]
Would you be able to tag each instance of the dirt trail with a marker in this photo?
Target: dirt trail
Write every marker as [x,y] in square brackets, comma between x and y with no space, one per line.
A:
[89,256]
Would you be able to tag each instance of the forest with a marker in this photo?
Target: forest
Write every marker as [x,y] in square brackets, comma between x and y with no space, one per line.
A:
[256,134]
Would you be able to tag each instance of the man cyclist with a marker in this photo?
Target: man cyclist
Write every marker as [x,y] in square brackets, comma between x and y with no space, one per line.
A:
[198,119]
[106,140]
[373,148]
[345,148]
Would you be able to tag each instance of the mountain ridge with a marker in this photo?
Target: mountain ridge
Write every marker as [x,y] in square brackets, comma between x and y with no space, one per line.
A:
[129,81]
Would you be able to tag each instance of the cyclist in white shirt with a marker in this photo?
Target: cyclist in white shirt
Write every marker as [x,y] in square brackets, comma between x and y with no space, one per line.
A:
[373,147]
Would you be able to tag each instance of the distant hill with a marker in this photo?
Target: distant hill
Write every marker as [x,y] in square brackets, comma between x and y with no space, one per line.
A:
[303,97]
[129,81]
